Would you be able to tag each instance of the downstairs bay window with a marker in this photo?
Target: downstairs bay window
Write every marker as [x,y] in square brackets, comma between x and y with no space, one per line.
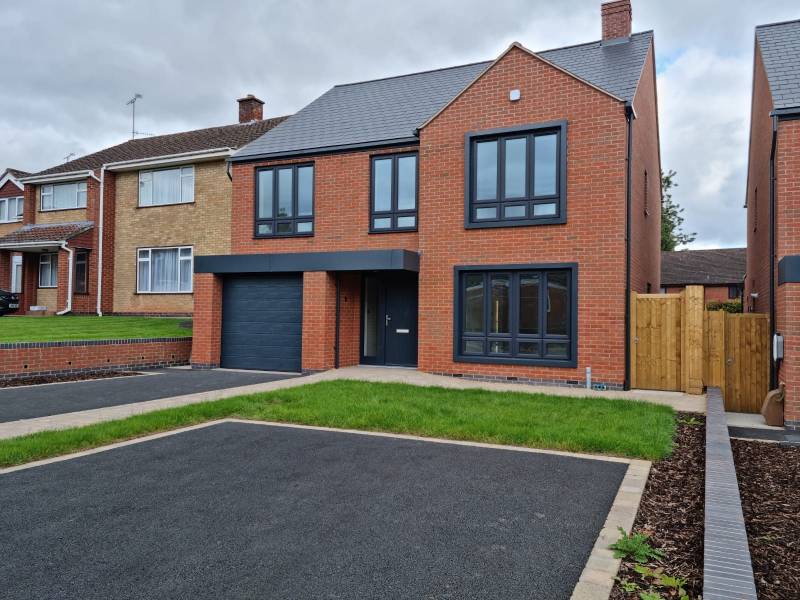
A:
[164,270]
[517,314]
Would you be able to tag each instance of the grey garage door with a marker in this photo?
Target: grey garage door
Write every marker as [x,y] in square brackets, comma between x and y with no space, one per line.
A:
[262,322]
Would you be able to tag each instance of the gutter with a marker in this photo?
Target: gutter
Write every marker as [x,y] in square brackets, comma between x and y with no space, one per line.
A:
[56,177]
[70,252]
[166,159]
[630,115]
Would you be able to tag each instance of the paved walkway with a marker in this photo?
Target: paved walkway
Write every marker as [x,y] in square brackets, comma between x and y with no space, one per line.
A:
[677,400]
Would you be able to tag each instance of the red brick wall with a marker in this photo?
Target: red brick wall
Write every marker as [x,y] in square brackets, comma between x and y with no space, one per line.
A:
[712,293]
[5,270]
[757,277]
[787,236]
[207,320]
[616,19]
[594,235]
[23,360]
[646,204]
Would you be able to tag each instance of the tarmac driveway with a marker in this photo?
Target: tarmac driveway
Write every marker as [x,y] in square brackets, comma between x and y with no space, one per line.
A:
[239,510]
[29,402]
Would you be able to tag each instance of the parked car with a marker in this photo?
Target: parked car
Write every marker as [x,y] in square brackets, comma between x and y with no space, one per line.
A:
[9,302]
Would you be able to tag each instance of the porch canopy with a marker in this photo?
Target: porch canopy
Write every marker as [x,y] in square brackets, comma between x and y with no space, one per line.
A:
[360,260]
[42,237]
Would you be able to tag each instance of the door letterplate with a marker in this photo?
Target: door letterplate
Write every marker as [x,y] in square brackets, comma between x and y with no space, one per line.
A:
[401,330]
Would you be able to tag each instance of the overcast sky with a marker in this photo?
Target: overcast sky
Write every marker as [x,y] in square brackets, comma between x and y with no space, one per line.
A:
[71,66]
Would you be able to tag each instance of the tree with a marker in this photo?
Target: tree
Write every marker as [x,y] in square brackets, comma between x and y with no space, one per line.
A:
[672,234]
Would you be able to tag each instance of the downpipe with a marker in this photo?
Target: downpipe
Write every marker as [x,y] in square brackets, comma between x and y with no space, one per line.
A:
[69,251]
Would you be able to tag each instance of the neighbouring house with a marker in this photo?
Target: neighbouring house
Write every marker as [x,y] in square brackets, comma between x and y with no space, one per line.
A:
[11,208]
[772,283]
[720,271]
[470,221]
[154,202]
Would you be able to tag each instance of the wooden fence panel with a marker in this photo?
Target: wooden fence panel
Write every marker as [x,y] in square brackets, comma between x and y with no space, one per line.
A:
[747,356]
[656,337]
[714,367]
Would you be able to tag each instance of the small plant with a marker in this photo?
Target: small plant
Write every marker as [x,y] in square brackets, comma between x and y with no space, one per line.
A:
[733,306]
[628,586]
[636,547]
[675,585]
[691,421]
[650,595]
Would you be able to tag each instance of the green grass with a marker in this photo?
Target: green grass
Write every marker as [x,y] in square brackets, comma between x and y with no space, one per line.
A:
[68,327]
[593,425]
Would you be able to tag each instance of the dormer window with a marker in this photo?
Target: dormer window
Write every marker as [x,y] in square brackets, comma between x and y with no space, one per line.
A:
[166,186]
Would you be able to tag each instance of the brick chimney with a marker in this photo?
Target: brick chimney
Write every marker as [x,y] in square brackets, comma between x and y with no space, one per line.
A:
[250,109]
[617,18]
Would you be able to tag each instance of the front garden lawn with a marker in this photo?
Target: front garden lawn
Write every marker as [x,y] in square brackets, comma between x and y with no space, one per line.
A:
[68,327]
[593,425]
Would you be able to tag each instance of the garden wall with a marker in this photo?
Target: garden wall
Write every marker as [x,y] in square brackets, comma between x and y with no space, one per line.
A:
[26,359]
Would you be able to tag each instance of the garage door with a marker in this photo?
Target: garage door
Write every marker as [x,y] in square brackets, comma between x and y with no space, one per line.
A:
[262,322]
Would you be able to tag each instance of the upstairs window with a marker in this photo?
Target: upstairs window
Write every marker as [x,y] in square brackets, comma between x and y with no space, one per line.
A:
[285,201]
[10,210]
[394,193]
[63,196]
[516,176]
[166,186]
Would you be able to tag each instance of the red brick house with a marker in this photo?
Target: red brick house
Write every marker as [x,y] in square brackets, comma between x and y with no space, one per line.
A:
[772,284]
[154,202]
[11,207]
[469,221]
[720,271]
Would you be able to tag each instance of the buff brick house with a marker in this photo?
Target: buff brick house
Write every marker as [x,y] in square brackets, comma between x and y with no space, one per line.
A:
[772,283]
[483,220]
[116,231]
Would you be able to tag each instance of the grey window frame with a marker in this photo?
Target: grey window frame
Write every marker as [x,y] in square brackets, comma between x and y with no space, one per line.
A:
[294,219]
[512,359]
[500,135]
[393,213]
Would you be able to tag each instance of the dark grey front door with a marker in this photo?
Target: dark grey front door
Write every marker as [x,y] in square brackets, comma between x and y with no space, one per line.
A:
[389,319]
[262,322]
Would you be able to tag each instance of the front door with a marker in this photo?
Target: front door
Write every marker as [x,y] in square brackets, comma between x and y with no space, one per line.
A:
[389,320]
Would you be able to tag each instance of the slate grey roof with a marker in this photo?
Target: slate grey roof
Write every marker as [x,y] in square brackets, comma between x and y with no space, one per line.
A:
[388,110]
[780,50]
[722,266]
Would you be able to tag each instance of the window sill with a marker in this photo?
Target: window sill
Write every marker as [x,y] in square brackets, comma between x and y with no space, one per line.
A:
[508,360]
[10,222]
[283,236]
[49,210]
[166,204]
[137,293]
[403,230]
[513,223]
[47,287]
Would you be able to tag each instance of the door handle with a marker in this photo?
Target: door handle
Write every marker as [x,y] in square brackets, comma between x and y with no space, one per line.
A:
[388,318]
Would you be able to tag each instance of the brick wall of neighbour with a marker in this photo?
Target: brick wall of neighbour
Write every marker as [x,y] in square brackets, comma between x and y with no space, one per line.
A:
[594,235]
[10,190]
[204,224]
[787,236]
[712,293]
[48,358]
[757,277]
[646,200]
[206,335]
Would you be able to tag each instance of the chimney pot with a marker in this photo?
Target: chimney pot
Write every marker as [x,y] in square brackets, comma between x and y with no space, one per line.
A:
[617,19]
[250,109]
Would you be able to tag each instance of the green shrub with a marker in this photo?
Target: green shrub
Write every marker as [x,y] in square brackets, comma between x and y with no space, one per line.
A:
[635,547]
[731,306]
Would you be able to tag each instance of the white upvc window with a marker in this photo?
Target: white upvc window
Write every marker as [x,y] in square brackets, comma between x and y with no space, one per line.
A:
[10,209]
[164,270]
[63,196]
[166,186]
[48,270]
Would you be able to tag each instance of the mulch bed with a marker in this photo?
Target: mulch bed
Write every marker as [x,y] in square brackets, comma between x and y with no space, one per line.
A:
[39,379]
[769,484]
[671,513]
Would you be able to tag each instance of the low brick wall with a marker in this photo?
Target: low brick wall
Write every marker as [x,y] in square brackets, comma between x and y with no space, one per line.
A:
[26,359]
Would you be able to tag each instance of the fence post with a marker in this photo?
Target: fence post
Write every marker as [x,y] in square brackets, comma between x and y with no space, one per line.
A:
[692,339]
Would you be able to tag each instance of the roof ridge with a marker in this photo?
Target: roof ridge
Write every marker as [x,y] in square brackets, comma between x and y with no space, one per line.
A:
[638,33]
[479,62]
[777,23]
[162,135]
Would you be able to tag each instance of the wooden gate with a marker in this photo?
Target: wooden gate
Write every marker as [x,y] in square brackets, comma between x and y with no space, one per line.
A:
[737,358]
[656,348]
[676,345]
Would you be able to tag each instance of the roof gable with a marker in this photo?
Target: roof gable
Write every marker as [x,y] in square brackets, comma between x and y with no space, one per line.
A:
[780,51]
[391,110]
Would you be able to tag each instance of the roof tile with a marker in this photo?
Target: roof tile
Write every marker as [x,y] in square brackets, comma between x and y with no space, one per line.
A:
[57,232]
[780,51]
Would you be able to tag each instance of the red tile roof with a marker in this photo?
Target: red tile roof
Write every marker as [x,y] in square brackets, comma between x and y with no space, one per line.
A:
[57,232]
[720,266]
